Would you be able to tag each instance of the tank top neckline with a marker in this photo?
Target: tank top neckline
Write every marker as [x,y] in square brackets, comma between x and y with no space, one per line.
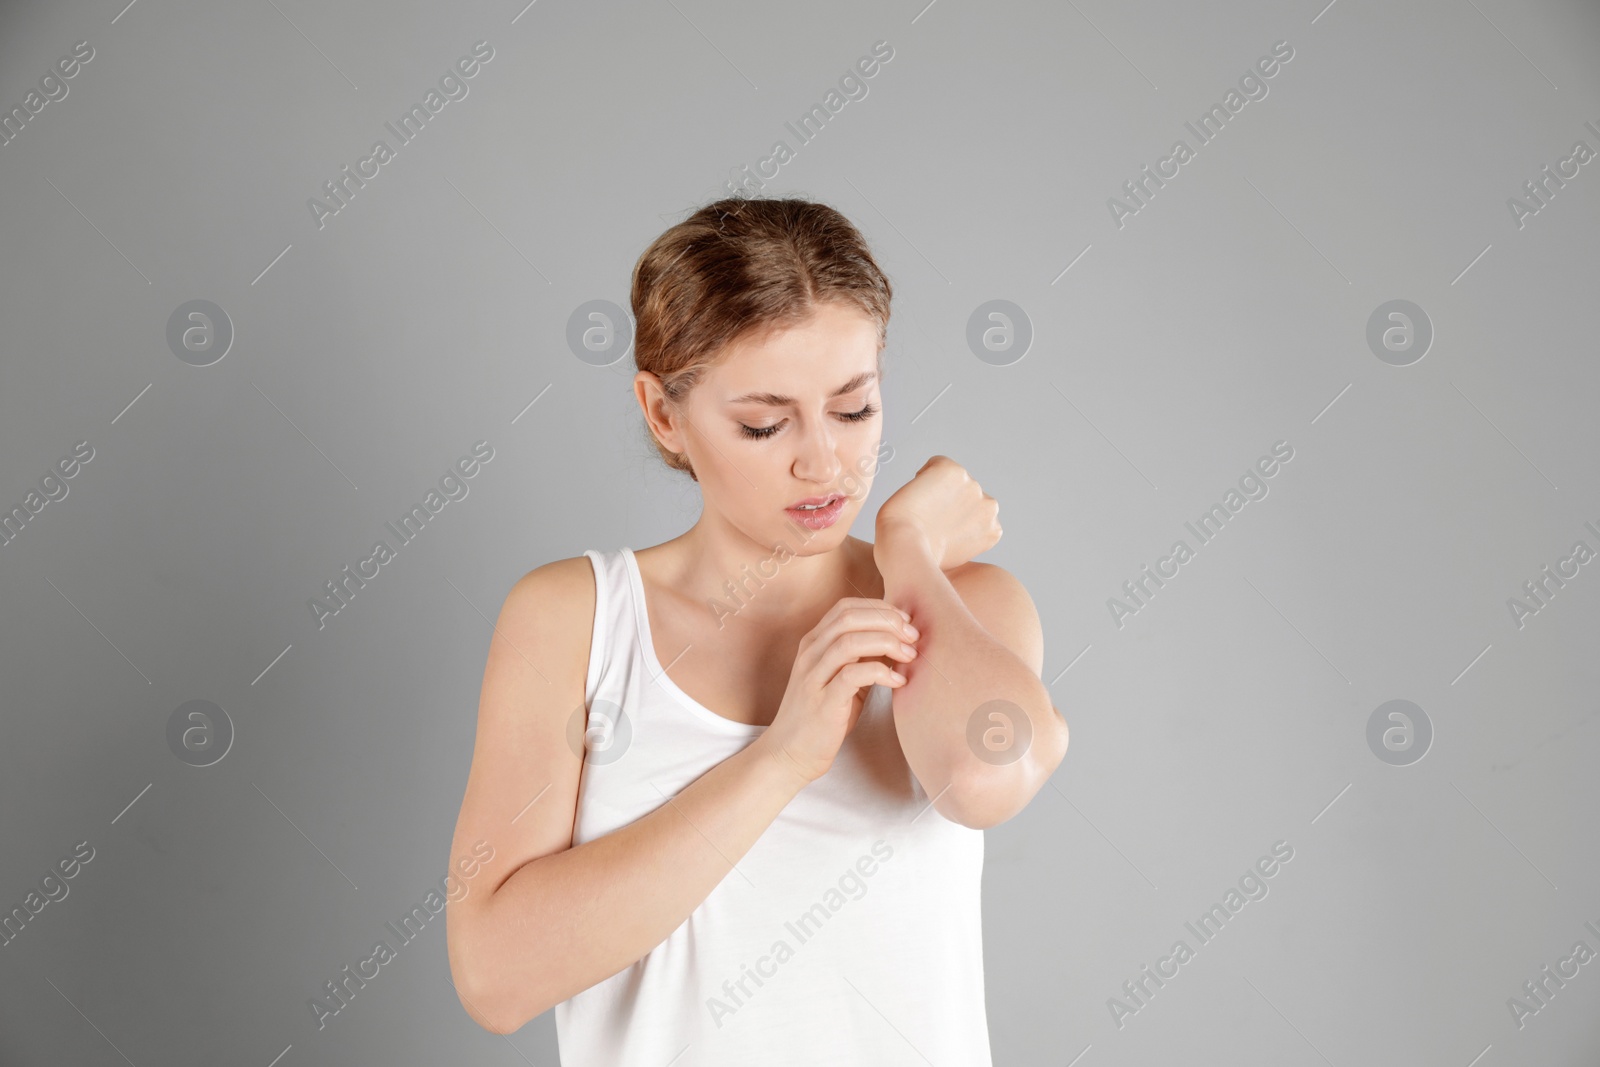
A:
[647,647]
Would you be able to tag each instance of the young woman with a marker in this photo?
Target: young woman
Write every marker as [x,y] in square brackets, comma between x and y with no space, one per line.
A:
[734,785]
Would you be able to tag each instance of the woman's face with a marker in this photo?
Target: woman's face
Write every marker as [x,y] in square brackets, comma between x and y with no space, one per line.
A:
[784,418]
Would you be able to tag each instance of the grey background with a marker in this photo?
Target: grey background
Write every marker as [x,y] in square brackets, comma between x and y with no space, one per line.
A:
[1228,314]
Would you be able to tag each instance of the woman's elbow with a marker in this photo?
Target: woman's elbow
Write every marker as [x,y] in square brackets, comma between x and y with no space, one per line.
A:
[481,992]
[983,796]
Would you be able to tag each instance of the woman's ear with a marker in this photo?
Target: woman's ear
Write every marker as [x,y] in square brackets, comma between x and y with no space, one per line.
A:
[652,399]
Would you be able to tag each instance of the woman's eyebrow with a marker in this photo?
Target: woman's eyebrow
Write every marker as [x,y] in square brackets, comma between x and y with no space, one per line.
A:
[778,401]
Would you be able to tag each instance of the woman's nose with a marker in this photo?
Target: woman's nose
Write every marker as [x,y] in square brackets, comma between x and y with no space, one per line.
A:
[818,459]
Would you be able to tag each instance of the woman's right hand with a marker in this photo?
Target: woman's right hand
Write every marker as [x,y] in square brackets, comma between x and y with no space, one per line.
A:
[832,669]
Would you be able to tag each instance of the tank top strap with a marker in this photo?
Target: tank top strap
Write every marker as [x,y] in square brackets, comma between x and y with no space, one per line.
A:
[608,582]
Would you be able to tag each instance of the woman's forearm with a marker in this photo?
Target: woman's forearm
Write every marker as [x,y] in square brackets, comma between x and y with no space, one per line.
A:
[960,667]
[564,922]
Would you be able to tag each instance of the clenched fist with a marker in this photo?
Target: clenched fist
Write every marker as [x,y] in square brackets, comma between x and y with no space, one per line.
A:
[945,507]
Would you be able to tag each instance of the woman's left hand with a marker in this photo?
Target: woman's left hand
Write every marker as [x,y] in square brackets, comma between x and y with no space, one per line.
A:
[944,506]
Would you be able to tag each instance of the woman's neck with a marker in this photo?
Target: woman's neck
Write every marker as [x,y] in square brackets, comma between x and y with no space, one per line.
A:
[772,583]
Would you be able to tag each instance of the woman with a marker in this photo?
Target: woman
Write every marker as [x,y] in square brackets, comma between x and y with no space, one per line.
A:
[735,863]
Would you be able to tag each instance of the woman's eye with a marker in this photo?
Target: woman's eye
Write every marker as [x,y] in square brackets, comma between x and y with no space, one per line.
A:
[758,431]
[848,416]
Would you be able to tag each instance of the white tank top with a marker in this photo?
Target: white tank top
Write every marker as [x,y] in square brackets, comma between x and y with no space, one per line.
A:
[849,933]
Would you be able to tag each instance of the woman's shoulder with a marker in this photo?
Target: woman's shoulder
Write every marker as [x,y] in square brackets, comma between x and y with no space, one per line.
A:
[559,592]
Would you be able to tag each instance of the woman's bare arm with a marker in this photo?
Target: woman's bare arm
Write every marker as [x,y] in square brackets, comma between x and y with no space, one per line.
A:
[980,654]
[549,920]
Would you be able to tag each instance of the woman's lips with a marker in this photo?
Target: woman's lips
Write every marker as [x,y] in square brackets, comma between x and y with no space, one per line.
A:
[818,518]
